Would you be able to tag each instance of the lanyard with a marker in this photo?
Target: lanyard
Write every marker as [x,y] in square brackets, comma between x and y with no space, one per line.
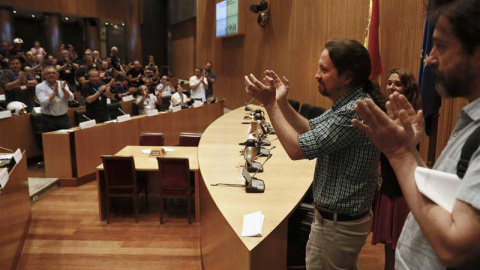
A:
[56,82]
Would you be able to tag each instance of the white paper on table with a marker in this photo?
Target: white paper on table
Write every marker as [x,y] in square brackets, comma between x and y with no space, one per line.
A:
[17,155]
[440,187]
[127,98]
[6,156]
[3,177]
[146,151]
[168,149]
[65,131]
[2,97]
[253,224]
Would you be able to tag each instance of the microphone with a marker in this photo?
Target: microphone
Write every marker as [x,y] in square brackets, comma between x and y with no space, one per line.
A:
[3,109]
[124,113]
[84,116]
[261,166]
[246,105]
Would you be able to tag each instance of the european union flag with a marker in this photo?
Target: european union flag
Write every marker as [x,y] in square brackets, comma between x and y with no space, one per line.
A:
[431,100]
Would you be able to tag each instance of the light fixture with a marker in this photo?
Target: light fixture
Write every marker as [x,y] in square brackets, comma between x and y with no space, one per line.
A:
[33,16]
[14,11]
[106,23]
[123,24]
[66,18]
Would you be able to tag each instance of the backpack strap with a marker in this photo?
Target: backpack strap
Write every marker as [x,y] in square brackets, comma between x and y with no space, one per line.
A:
[471,145]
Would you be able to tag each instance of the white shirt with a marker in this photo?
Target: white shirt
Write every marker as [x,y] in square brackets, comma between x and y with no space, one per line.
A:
[175,100]
[148,104]
[166,91]
[199,91]
[59,105]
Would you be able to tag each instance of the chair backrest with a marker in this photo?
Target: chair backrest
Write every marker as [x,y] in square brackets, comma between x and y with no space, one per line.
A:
[165,103]
[295,104]
[315,112]
[113,110]
[174,173]
[305,110]
[190,139]
[120,175]
[152,139]
[79,116]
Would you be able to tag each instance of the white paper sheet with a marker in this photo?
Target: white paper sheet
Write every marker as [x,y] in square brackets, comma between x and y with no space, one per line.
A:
[253,224]
[440,187]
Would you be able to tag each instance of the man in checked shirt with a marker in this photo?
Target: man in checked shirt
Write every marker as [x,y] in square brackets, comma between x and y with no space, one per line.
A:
[346,169]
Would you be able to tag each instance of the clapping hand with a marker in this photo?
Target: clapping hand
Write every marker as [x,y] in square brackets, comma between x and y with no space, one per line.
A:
[394,134]
[64,84]
[265,93]
[282,86]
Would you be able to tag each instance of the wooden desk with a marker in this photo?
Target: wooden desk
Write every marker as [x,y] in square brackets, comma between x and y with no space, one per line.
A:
[223,208]
[145,163]
[17,130]
[73,157]
[14,215]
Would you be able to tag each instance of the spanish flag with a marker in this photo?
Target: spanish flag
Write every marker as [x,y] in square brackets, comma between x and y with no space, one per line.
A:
[372,39]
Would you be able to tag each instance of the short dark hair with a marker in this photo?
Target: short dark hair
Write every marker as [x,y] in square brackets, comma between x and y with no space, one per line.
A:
[13,57]
[463,16]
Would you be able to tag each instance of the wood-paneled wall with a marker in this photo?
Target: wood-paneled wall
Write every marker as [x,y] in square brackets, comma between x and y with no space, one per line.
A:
[293,40]
[105,9]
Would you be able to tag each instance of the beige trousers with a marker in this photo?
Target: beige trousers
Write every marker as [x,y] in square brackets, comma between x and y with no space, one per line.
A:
[336,245]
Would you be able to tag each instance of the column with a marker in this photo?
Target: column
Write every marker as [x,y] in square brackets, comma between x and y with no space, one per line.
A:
[53,31]
[92,33]
[6,24]
[132,20]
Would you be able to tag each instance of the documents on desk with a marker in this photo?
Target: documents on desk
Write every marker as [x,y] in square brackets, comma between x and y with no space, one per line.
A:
[3,177]
[17,155]
[64,131]
[440,187]
[253,224]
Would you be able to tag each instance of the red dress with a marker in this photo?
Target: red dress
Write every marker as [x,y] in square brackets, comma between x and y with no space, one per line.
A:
[390,209]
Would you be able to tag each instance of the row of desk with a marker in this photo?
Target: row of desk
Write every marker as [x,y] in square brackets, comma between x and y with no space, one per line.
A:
[73,157]
[17,130]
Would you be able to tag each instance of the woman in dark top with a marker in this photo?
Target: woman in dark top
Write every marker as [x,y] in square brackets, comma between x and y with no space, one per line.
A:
[390,208]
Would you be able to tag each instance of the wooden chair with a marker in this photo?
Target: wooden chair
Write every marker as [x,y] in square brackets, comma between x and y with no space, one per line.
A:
[190,139]
[121,181]
[152,139]
[174,177]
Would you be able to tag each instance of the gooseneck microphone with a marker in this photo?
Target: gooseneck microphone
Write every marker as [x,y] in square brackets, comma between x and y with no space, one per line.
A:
[248,103]
[124,113]
[84,116]
[268,157]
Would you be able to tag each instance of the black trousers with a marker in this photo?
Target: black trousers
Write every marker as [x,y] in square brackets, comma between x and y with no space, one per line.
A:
[52,123]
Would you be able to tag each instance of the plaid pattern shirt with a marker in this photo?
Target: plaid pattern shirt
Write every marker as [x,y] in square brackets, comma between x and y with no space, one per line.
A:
[346,168]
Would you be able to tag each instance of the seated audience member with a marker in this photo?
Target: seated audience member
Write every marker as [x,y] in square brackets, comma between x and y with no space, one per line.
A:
[145,101]
[67,68]
[3,62]
[135,74]
[198,83]
[18,85]
[51,61]
[17,50]
[106,73]
[179,98]
[122,89]
[156,78]
[4,48]
[165,87]
[432,237]
[148,83]
[115,60]
[151,63]
[53,96]
[97,61]
[38,51]
[149,73]
[31,65]
[83,70]
[96,93]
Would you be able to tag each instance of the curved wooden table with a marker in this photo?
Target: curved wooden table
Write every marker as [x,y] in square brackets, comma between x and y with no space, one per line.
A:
[222,208]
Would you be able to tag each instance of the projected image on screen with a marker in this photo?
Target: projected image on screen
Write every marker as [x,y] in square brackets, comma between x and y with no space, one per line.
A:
[227,18]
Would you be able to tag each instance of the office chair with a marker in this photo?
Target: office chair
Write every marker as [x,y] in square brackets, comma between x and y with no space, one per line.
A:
[295,104]
[190,139]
